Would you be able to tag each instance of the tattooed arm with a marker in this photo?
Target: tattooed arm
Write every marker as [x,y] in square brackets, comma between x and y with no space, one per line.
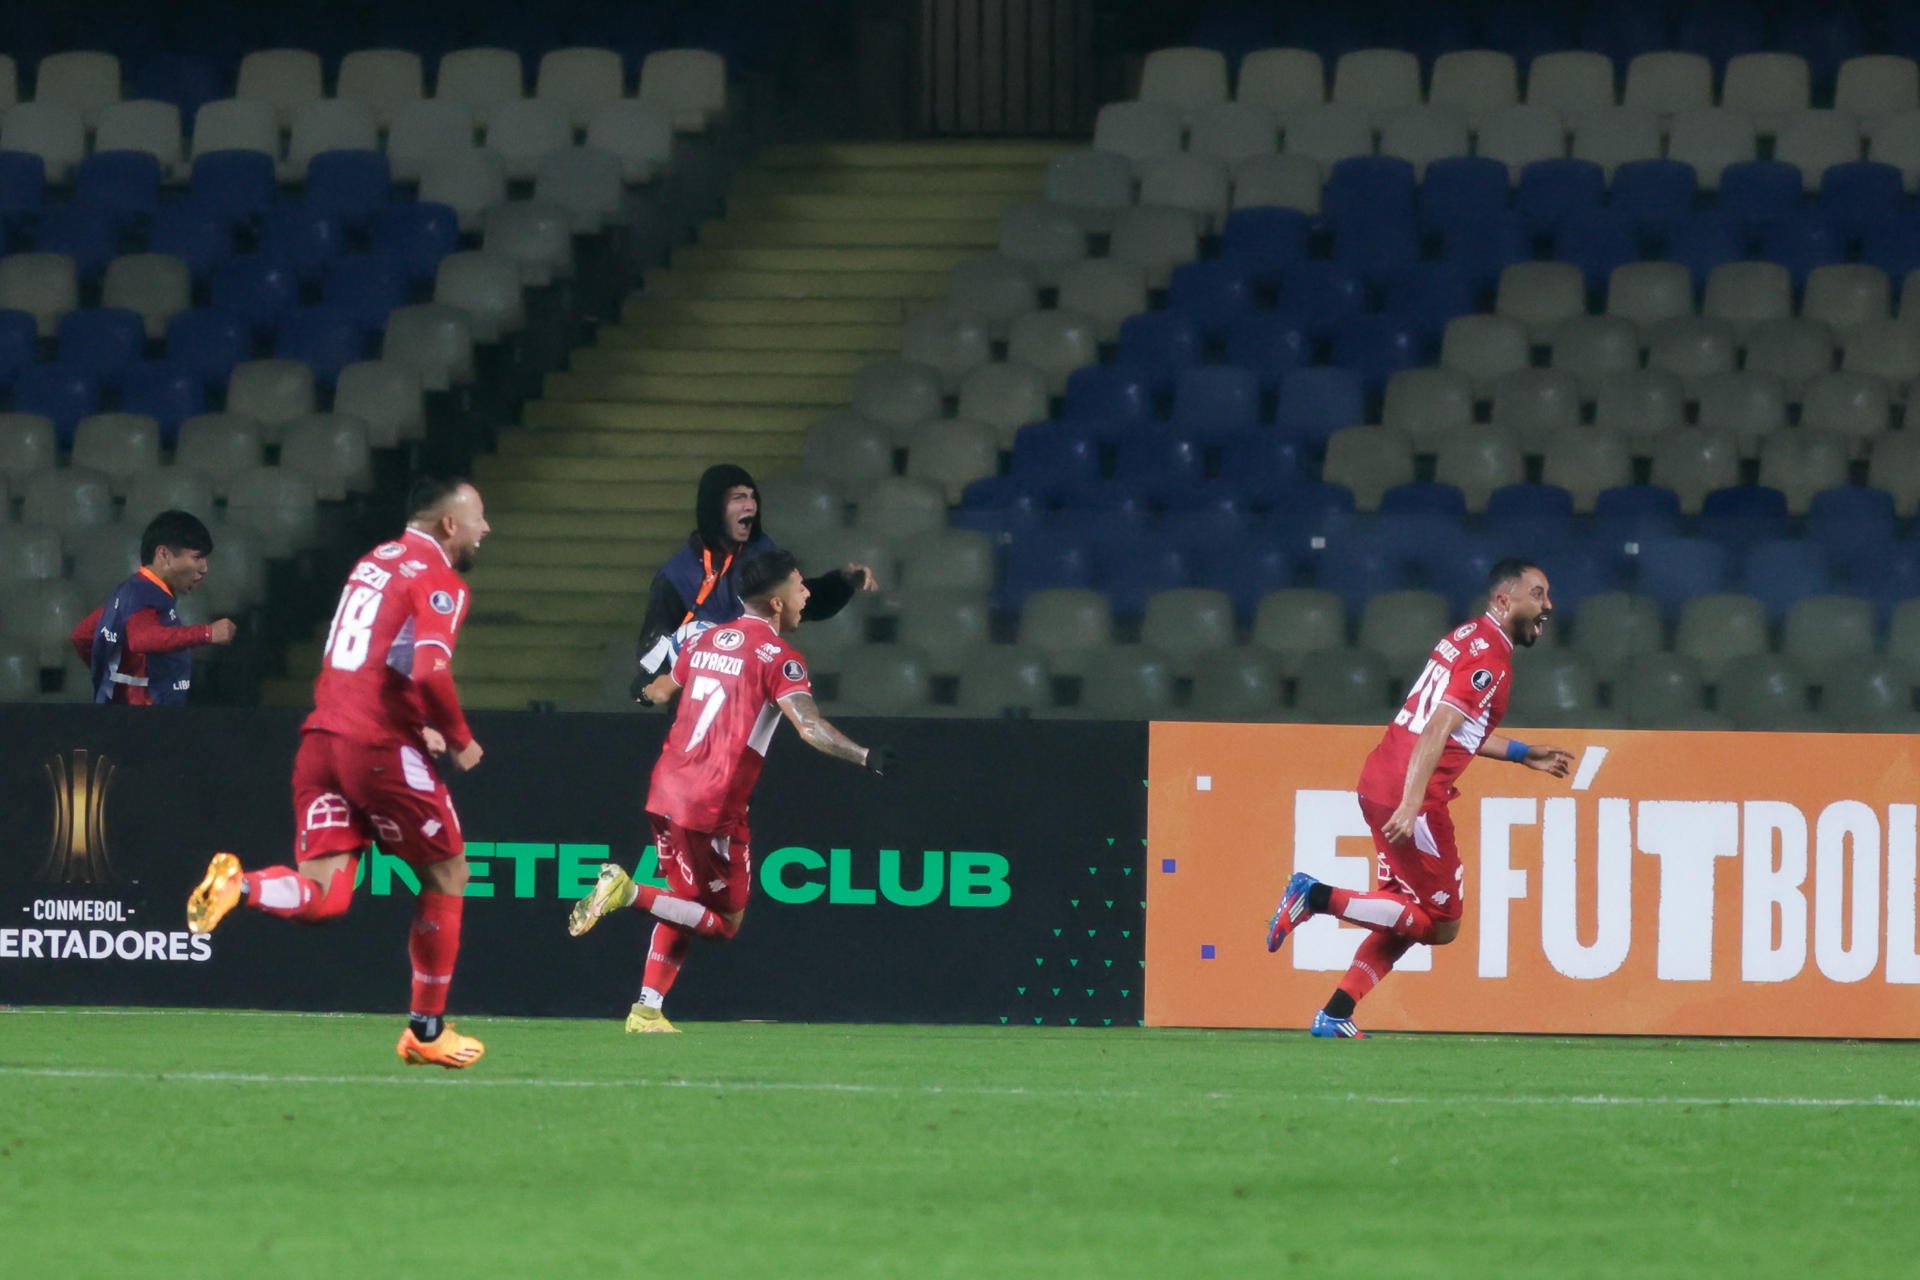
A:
[819,733]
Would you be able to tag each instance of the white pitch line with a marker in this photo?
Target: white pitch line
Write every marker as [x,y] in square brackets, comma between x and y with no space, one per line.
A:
[930,1090]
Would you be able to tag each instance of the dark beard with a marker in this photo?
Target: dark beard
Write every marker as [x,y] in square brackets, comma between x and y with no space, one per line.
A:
[1528,635]
[463,563]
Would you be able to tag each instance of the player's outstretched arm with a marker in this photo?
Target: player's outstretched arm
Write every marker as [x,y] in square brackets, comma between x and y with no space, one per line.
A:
[1557,761]
[820,734]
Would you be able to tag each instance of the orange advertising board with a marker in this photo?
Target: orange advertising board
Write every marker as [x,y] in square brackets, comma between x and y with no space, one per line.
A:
[1676,884]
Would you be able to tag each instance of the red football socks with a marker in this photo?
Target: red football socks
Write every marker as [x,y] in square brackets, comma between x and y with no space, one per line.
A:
[665,954]
[681,911]
[1382,912]
[284,892]
[1375,959]
[434,944]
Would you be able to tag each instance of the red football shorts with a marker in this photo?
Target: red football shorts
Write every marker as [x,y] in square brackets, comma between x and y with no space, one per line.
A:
[347,796]
[1426,868]
[714,871]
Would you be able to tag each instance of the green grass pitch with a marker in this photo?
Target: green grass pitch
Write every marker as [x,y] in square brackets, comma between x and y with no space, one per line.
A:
[210,1145]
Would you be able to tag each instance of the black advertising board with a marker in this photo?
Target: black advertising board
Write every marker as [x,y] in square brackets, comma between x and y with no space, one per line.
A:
[996,878]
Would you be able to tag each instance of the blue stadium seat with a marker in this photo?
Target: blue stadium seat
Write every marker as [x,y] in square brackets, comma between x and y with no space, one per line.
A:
[1783,571]
[1040,561]
[1051,454]
[1266,241]
[1576,569]
[351,187]
[101,342]
[1755,192]
[1369,191]
[1462,188]
[303,237]
[1457,568]
[1153,461]
[208,342]
[1802,242]
[258,287]
[1428,30]
[1107,498]
[1357,564]
[1114,393]
[1379,250]
[1704,241]
[165,392]
[1203,534]
[1132,570]
[417,234]
[1378,346]
[236,187]
[1269,343]
[1322,293]
[85,235]
[23,188]
[1261,467]
[1532,506]
[1886,573]
[1315,403]
[998,505]
[1672,571]
[1653,193]
[326,338]
[57,392]
[199,239]
[1158,344]
[124,185]
[1312,509]
[1597,241]
[1216,401]
[368,286]
[1552,191]
[1266,563]
[1212,293]
[1636,513]
[1483,248]
[1894,247]
[19,337]
[1743,515]
[1425,498]
[188,80]
[1859,196]
[1851,516]
[1431,293]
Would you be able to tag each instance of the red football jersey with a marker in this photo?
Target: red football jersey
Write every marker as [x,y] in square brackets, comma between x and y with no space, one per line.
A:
[733,677]
[1471,670]
[400,597]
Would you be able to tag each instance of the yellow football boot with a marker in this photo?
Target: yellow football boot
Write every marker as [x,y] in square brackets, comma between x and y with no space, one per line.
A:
[642,1019]
[218,894]
[612,891]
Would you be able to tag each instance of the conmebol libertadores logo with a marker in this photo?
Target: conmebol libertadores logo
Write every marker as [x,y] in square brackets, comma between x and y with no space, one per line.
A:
[77,850]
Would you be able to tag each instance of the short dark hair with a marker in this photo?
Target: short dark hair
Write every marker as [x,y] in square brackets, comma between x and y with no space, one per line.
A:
[429,492]
[761,576]
[176,531]
[1511,569]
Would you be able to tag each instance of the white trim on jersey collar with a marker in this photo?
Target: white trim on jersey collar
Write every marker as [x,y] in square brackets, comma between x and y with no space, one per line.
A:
[412,532]
[1499,629]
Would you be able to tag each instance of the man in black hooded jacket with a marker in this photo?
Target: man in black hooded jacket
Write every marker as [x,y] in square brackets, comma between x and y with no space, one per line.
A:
[695,588]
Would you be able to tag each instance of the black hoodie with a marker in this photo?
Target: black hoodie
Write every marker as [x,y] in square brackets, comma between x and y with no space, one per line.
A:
[677,584]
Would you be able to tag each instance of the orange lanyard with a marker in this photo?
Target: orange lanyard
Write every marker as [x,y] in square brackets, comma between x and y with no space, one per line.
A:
[712,579]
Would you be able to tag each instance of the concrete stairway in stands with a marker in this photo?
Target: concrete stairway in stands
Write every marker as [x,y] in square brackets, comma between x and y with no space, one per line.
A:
[753,333]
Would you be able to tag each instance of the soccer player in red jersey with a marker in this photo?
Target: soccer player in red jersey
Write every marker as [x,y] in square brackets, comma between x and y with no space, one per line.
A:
[740,677]
[1449,718]
[384,704]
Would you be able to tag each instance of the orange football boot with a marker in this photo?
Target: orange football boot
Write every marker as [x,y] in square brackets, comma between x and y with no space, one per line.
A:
[449,1049]
[218,894]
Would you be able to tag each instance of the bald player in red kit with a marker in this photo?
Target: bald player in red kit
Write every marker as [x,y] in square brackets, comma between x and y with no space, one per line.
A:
[739,679]
[383,706]
[1449,717]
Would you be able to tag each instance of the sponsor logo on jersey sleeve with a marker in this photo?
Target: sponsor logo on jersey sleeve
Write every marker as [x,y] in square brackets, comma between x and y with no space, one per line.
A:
[441,601]
[728,639]
[1479,645]
[390,550]
[413,568]
[768,651]
[794,669]
[1481,679]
